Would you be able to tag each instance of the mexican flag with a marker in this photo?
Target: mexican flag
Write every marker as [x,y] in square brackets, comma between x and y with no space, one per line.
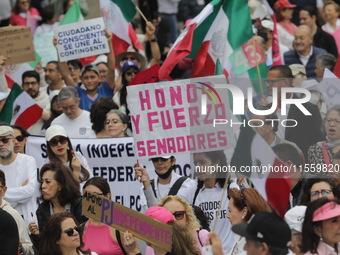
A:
[217,41]
[253,152]
[20,109]
[72,15]
[117,14]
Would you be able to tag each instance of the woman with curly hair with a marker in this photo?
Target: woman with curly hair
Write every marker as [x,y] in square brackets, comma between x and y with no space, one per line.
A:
[62,236]
[98,112]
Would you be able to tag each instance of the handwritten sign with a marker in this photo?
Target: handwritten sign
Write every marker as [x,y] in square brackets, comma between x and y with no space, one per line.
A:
[16,44]
[122,218]
[178,117]
[81,39]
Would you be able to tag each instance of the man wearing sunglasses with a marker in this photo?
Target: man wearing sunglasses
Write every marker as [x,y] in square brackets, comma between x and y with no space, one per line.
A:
[167,183]
[21,176]
[31,85]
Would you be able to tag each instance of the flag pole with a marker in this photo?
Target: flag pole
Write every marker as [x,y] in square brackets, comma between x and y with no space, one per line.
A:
[257,67]
[141,14]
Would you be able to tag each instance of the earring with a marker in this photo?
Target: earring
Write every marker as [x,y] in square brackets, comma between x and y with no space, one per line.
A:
[242,217]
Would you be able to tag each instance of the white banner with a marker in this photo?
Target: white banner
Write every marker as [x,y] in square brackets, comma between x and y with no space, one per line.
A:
[179,117]
[81,39]
[112,159]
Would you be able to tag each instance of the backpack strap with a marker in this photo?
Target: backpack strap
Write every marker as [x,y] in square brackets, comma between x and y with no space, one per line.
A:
[195,196]
[174,189]
[152,183]
[119,241]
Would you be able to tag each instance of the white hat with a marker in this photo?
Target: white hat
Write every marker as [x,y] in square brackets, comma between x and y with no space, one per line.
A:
[295,217]
[4,95]
[297,68]
[100,59]
[6,130]
[55,130]
[268,24]
[165,157]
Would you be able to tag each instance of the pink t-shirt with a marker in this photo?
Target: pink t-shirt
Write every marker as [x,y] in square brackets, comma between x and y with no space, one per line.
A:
[99,240]
[26,19]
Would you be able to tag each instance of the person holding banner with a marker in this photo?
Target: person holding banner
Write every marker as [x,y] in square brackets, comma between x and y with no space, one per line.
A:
[90,78]
[63,236]
[167,183]
[60,150]
[103,239]
[210,194]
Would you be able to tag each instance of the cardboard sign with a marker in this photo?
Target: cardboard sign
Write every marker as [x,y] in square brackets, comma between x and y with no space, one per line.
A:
[16,44]
[122,218]
[81,39]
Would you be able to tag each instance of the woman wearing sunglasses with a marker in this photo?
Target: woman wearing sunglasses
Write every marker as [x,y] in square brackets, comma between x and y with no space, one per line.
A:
[320,229]
[182,211]
[209,193]
[97,236]
[62,236]
[60,150]
[129,70]
[59,192]
[20,138]
[318,187]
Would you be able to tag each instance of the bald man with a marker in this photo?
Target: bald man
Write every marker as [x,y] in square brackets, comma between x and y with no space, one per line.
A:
[304,52]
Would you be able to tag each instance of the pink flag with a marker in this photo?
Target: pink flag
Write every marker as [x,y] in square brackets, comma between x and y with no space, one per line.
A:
[276,45]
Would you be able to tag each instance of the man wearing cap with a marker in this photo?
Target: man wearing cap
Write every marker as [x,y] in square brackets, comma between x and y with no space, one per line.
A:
[167,183]
[294,218]
[90,78]
[304,52]
[75,120]
[31,84]
[21,176]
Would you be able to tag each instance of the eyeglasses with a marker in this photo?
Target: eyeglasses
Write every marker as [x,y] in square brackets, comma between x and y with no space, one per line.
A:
[70,231]
[113,121]
[5,140]
[335,121]
[19,138]
[323,192]
[33,83]
[154,160]
[179,215]
[131,72]
[54,142]
[129,58]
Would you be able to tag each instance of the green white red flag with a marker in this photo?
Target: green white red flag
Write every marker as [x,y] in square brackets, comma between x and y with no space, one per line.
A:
[20,109]
[218,40]
[252,152]
[117,15]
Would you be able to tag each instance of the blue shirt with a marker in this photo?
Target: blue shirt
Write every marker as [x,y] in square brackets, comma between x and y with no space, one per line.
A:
[85,102]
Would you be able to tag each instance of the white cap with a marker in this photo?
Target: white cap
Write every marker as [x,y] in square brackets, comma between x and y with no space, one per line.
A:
[100,59]
[268,24]
[4,95]
[55,130]
[6,130]
[295,217]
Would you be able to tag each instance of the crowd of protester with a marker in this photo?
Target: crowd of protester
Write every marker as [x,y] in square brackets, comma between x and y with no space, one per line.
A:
[41,212]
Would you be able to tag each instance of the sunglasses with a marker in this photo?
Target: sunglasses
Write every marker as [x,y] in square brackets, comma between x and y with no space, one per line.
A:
[130,72]
[129,58]
[179,215]
[154,160]
[5,140]
[54,142]
[323,192]
[20,138]
[70,231]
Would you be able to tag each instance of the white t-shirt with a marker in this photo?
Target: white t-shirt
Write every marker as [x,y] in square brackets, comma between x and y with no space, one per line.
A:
[79,127]
[209,201]
[22,198]
[186,191]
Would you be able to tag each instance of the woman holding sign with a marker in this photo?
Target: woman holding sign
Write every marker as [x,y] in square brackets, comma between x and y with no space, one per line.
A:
[97,236]
[63,236]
